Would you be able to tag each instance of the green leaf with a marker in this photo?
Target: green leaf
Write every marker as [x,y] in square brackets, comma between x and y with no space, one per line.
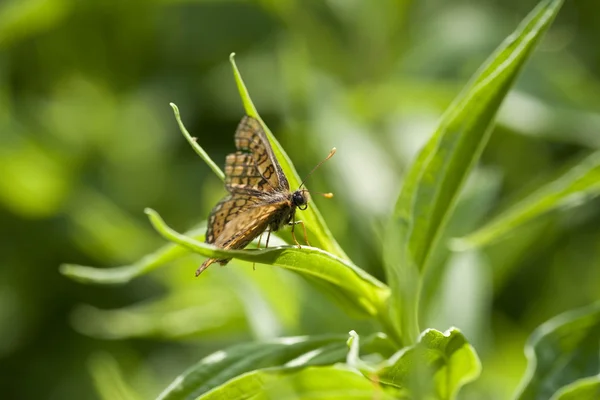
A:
[582,389]
[561,351]
[197,148]
[579,184]
[357,291]
[475,202]
[185,312]
[124,274]
[108,379]
[353,359]
[322,383]
[318,232]
[220,367]
[435,178]
[434,368]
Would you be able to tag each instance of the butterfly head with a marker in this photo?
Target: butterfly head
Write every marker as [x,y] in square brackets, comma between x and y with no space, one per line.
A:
[300,199]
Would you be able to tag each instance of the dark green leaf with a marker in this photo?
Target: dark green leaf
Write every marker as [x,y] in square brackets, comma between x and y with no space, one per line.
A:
[219,367]
[435,178]
[561,351]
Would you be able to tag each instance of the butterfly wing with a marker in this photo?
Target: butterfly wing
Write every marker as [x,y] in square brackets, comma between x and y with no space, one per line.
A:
[255,159]
[225,211]
[258,192]
[243,226]
[242,175]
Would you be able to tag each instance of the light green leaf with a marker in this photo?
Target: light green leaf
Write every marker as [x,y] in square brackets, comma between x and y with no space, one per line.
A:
[436,177]
[353,359]
[318,232]
[561,351]
[108,379]
[314,383]
[186,312]
[124,274]
[356,290]
[578,185]
[434,368]
[582,389]
[218,368]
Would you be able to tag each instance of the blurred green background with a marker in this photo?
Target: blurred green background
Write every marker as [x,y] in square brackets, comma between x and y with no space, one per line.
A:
[87,140]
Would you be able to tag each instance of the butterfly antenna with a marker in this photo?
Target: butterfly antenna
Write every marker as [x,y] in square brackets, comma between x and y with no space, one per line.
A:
[326,195]
[331,153]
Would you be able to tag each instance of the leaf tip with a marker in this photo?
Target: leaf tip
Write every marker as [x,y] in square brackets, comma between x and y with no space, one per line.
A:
[65,269]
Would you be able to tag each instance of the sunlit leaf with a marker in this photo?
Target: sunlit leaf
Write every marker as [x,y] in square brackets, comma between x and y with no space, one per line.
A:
[434,368]
[358,292]
[561,351]
[436,177]
[319,233]
[326,383]
[220,367]
[578,185]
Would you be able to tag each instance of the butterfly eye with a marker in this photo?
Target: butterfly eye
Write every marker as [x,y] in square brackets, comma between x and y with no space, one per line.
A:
[299,200]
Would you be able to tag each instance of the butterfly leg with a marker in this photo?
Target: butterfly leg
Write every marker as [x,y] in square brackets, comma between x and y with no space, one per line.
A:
[268,236]
[258,247]
[293,224]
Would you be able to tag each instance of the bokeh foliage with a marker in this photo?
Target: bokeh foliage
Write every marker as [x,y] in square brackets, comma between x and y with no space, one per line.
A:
[87,140]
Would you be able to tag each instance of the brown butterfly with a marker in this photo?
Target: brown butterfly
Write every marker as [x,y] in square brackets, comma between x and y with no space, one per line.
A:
[259,194]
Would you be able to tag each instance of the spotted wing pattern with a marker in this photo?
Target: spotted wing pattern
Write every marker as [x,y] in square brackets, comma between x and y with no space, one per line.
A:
[242,228]
[255,181]
[250,137]
[242,175]
[225,211]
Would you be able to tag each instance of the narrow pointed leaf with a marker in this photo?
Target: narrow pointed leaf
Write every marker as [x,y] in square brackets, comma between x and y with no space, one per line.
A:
[197,148]
[217,368]
[123,274]
[358,292]
[280,354]
[434,368]
[561,351]
[435,178]
[579,184]
[323,383]
[319,233]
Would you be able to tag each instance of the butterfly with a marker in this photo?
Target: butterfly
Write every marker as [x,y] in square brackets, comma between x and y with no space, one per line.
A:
[259,194]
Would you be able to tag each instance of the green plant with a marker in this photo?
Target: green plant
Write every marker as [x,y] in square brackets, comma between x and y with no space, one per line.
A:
[404,361]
